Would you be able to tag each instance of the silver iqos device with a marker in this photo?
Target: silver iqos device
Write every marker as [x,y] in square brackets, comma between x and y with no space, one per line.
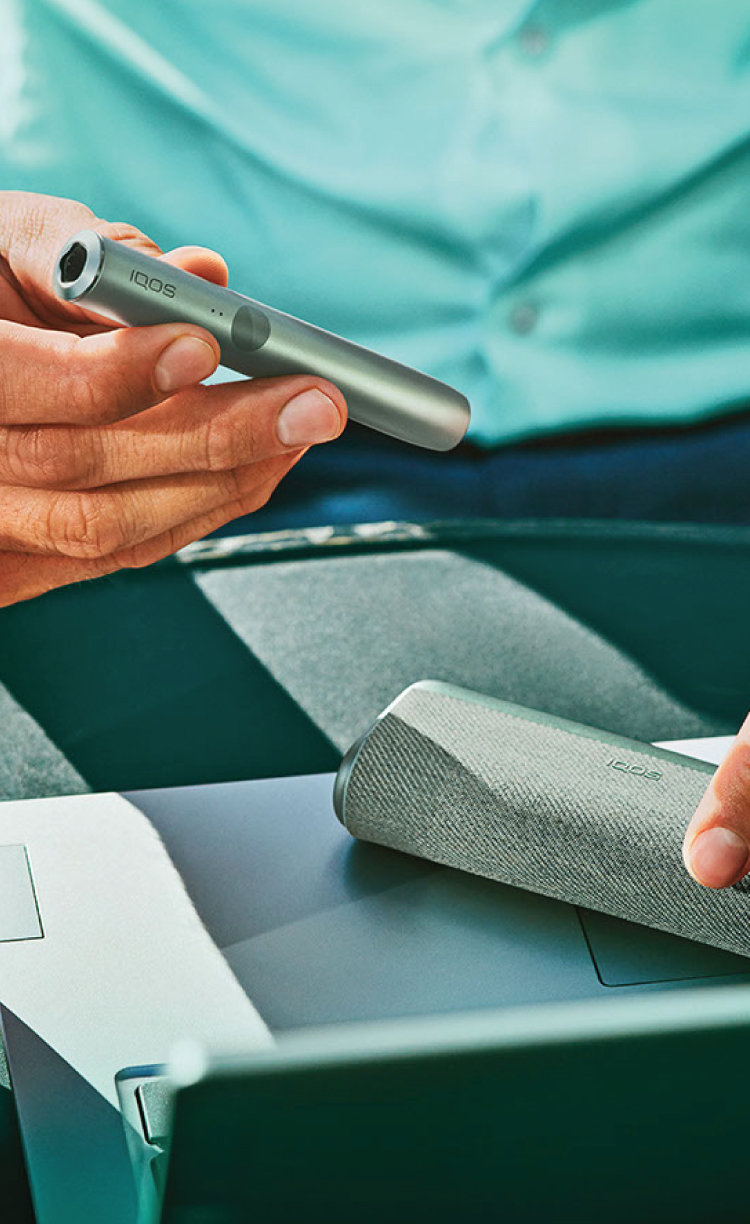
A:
[138,290]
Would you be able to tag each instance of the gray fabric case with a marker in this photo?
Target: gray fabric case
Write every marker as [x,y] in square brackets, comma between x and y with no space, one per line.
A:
[540,803]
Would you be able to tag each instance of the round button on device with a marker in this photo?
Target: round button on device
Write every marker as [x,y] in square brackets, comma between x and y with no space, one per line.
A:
[250,328]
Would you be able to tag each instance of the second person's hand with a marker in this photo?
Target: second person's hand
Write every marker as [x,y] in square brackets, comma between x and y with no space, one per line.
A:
[717,841]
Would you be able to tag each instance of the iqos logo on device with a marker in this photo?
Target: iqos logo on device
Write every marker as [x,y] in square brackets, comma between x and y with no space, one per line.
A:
[640,771]
[153,283]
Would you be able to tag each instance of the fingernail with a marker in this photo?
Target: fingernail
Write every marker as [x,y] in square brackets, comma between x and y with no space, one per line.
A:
[185,361]
[717,857]
[309,417]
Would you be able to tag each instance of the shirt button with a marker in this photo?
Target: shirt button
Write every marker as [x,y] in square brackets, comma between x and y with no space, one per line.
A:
[533,39]
[523,317]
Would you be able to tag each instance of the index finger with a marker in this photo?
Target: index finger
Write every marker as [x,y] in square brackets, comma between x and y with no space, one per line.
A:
[34,229]
[54,377]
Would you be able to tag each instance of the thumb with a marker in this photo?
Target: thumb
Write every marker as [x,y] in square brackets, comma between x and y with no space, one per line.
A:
[717,842]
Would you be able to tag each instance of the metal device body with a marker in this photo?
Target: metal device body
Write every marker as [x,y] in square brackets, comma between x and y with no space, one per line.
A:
[135,289]
[541,803]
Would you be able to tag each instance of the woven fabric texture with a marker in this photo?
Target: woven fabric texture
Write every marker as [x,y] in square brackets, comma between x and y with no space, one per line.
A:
[31,764]
[344,635]
[550,808]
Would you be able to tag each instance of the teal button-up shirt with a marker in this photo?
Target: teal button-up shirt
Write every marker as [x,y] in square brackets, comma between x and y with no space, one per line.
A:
[545,204]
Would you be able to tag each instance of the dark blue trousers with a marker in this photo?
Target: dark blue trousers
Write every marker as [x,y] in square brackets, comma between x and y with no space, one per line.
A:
[692,474]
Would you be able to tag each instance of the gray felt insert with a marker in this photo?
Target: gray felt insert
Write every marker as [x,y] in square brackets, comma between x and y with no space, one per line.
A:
[31,766]
[346,635]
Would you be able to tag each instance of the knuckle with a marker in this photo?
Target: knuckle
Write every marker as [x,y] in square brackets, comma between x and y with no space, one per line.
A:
[86,400]
[229,442]
[225,486]
[87,526]
[99,394]
[48,457]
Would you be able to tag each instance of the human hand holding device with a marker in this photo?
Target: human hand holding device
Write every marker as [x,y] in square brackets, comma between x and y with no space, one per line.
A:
[717,841]
[111,455]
